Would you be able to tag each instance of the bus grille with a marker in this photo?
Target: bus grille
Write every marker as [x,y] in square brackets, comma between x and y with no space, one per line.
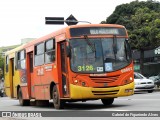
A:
[113,92]
[104,79]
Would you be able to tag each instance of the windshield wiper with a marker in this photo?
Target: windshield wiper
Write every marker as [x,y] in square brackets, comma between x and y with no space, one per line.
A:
[114,45]
[125,48]
[90,44]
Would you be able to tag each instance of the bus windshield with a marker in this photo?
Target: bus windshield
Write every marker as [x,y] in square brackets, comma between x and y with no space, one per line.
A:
[103,58]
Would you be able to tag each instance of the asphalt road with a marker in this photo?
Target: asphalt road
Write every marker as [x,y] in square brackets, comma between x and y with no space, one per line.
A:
[141,101]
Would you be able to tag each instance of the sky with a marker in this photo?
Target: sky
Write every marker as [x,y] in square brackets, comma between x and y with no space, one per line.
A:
[21,19]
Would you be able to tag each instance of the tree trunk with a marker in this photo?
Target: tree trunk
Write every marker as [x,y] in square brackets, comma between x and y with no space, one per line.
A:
[141,61]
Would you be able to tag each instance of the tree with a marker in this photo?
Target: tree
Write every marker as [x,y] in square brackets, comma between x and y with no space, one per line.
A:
[142,20]
[1,66]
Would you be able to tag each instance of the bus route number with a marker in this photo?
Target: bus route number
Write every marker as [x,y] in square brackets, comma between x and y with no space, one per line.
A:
[85,68]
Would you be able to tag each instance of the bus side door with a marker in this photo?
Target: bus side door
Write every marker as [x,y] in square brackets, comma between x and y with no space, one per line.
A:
[30,74]
[64,72]
[11,75]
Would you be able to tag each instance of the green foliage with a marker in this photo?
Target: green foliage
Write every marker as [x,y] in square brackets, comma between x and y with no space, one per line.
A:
[1,61]
[1,65]
[142,20]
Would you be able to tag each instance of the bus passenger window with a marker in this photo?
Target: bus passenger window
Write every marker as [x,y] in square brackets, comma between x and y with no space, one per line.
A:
[39,54]
[21,60]
[7,62]
[50,51]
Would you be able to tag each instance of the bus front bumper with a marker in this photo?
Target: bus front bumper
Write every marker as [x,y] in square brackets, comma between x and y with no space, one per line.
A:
[79,92]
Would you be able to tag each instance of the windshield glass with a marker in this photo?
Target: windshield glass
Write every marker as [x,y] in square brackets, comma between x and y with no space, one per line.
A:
[98,55]
[137,76]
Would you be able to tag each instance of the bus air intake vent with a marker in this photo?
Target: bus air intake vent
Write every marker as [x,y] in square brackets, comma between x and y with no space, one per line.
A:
[111,92]
[104,79]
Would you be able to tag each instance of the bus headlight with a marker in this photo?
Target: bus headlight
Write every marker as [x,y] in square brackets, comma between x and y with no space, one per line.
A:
[128,80]
[131,78]
[80,82]
[76,81]
[83,84]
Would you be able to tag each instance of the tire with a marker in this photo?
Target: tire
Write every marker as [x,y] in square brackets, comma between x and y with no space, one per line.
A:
[58,103]
[22,102]
[107,102]
[150,91]
[1,94]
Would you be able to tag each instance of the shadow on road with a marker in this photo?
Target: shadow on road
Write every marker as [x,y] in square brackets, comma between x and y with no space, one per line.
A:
[88,106]
[77,106]
[141,92]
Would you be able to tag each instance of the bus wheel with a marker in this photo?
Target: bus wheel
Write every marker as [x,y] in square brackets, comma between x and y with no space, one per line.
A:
[107,101]
[1,95]
[58,103]
[22,102]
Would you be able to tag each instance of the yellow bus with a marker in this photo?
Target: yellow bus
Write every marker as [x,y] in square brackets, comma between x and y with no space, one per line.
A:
[12,78]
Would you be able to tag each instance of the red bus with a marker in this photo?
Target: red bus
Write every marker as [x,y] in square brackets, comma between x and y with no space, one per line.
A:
[76,63]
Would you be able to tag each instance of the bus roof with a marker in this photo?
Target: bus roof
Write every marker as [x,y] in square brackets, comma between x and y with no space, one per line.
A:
[97,25]
[63,30]
[58,32]
[15,49]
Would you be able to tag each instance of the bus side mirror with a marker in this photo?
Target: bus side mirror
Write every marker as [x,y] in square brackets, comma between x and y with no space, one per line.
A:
[68,51]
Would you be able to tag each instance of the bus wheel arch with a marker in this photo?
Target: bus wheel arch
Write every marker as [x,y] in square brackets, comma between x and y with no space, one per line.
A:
[51,89]
[22,101]
[18,87]
[58,103]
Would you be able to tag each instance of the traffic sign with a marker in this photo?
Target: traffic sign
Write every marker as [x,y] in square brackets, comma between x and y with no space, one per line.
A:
[54,20]
[71,20]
